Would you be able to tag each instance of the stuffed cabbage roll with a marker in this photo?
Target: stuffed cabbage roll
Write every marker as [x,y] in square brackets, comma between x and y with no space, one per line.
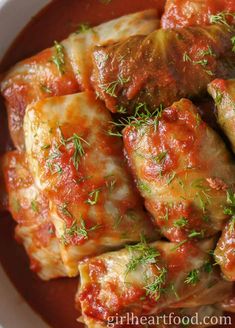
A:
[29,208]
[182,169]
[181,13]
[80,167]
[223,93]
[162,67]
[224,252]
[146,279]
[65,68]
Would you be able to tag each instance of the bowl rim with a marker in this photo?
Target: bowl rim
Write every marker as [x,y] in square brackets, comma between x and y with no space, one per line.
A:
[14,309]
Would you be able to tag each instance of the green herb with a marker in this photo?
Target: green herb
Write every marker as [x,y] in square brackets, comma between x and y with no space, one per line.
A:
[155,288]
[230,210]
[171,178]
[194,234]
[110,182]
[202,62]
[58,168]
[118,221]
[78,148]
[82,28]
[166,216]
[34,206]
[46,89]
[144,187]
[113,133]
[186,57]
[218,98]
[45,147]
[121,109]
[208,267]
[58,58]
[178,245]
[141,117]
[173,289]
[193,277]
[233,43]
[94,195]
[79,230]
[181,222]
[221,18]
[111,88]
[142,253]
[160,157]
[64,209]
[207,52]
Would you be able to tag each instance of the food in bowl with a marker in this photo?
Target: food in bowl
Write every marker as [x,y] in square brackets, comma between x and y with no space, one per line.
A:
[115,180]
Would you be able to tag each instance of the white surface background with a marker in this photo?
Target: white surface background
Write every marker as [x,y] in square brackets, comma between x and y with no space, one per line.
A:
[14,312]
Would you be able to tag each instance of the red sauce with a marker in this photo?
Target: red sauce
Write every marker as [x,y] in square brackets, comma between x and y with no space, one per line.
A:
[53,300]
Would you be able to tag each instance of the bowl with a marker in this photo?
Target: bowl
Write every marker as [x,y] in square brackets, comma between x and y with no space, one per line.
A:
[14,311]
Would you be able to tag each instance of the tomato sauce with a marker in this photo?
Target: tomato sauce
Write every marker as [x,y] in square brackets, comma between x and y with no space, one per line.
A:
[53,300]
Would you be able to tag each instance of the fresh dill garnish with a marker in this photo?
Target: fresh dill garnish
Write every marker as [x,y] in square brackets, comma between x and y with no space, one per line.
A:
[121,109]
[93,197]
[77,144]
[155,288]
[83,27]
[181,222]
[208,267]
[34,206]
[186,57]
[194,234]
[141,253]
[78,149]
[192,277]
[221,18]
[178,245]
[160,157]
[233,43]
[46,89]
[202,62]
[64,210]
[207,52]
[171,177]
[203,196]
[142,116]
[45,147]
[78,230]
[58,59]
[113,133]
[218,97]
[110,182]
[143,187]
[165,217]
[230,209]
[111,87]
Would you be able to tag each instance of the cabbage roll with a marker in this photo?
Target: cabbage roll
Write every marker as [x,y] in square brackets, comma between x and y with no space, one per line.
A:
[29,208]
[182,169]
[181,13]
[223,93]
[65,68]
[147,279]
[162,67]
[224,252]
[80,167]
